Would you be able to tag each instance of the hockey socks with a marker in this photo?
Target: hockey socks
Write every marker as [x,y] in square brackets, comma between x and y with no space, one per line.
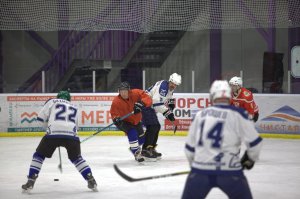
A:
[36,165]
[82,167]
[132,136]
[142,139]
[151,137]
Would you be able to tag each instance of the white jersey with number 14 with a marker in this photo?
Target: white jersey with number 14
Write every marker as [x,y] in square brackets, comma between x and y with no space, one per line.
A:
[215,137]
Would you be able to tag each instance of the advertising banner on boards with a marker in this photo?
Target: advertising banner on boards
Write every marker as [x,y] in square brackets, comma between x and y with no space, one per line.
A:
[278,113]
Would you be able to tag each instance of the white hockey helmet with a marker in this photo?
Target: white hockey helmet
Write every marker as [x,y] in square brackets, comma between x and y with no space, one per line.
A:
[220,89]
[237,81]
[175,78]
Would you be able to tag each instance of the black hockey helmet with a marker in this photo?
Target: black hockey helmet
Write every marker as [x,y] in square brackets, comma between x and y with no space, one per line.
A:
[124,86]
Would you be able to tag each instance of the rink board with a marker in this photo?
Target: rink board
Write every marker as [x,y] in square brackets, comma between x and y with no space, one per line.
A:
[120,133]
[279,113]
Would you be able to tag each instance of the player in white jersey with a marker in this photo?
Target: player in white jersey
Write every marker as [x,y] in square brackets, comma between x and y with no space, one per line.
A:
[163,102]
[59,116]
[213,147]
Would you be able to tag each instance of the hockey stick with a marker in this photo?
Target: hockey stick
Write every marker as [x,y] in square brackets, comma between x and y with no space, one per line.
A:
[130,179]
[174,127]
[122,118]
[60,162]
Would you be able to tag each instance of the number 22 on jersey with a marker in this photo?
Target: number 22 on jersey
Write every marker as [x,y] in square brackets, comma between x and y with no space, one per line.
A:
[63,112]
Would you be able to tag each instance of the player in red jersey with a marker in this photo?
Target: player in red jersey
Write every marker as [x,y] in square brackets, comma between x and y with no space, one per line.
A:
[242,97]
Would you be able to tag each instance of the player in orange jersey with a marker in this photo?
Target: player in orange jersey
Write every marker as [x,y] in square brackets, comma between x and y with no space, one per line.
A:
[127,101]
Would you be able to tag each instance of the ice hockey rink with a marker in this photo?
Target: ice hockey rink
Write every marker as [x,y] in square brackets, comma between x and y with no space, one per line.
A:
[276,175]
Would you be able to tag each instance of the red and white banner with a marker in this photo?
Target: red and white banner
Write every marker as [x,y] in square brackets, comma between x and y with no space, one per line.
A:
[278,113]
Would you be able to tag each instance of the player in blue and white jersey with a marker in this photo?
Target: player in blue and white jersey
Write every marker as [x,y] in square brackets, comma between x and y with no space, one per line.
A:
[59,117]
[163,102]
[213,147]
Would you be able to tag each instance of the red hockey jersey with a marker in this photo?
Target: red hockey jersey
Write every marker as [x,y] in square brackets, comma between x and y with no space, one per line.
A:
[244,99]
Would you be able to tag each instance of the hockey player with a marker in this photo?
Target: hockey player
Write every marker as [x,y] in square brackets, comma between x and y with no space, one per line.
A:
[213,146]
[243,98]
[127,101]
[59,117]
[163,102]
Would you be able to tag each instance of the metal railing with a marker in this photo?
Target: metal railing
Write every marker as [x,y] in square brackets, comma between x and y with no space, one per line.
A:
[108,45]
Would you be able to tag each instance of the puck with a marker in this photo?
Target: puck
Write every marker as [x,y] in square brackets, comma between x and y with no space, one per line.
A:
[56,179]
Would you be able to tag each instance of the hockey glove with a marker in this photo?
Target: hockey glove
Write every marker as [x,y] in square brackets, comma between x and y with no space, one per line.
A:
[138,107]
[169,115]
[255,117]
[246,162]
[117,121]
[171,104]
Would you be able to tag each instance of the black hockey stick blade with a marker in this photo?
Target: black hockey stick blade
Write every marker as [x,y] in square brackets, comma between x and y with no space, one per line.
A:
[174,128]
[130,179]
[60,162]
[60,168]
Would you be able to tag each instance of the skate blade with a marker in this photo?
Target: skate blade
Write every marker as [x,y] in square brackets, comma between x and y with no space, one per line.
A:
[94,189]
[140,163]
[150,159]
[26,191]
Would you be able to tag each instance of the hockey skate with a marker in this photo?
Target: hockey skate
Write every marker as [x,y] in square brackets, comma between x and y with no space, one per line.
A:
[149,155]
[157,154]
[91,182]
[29,184]
[138,156]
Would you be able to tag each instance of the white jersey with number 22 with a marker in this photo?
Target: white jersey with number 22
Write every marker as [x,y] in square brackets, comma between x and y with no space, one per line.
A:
[60,116]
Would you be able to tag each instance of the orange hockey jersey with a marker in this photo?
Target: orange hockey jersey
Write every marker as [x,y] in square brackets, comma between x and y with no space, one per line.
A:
[244,99]
[121,107]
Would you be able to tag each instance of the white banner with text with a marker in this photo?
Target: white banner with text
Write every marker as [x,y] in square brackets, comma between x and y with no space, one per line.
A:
[279,113]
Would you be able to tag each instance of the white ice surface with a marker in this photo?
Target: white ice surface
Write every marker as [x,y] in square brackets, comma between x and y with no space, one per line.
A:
[276,175]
